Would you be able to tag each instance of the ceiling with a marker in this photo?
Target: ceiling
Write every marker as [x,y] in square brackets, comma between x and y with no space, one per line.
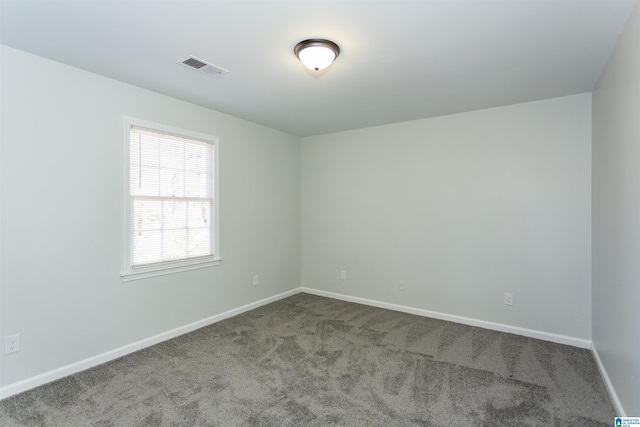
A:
[400,60]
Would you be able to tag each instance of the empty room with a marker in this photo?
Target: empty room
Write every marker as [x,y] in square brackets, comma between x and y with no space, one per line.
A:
[312,213]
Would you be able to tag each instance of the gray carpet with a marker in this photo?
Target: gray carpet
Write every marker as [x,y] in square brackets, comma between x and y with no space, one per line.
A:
[313,361]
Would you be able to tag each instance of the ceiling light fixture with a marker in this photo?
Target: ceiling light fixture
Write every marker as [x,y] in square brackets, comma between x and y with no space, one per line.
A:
[316,54]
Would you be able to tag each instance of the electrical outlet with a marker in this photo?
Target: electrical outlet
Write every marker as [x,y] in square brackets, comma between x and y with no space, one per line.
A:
[508,298]
[11,344]
[343,275]
[401,285]
[256,280]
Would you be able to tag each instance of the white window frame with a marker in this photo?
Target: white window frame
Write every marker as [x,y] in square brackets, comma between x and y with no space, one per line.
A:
[129,272]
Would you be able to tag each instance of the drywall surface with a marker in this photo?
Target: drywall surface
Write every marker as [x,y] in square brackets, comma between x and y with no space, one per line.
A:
[61,216]
[616,217]
[463,209]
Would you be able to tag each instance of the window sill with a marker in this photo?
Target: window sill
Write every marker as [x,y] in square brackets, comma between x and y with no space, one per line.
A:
[144,273]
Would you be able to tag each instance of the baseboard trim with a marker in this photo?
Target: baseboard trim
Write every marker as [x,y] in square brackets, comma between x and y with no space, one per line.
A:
[546,336]
[47,377]
[73,368]
[607,382]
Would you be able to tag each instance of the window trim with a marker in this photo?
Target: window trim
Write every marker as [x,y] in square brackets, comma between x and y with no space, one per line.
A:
[129,272]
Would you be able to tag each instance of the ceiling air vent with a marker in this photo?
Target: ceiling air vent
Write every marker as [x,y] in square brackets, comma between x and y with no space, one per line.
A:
[203,66]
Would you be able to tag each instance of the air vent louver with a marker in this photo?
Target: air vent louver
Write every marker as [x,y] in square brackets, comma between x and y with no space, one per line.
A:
[203,66]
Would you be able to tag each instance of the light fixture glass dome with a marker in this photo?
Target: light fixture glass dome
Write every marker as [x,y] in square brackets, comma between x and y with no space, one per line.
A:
[316,54]
[316,57]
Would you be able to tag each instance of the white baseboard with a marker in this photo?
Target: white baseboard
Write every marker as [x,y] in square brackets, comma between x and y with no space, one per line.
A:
[82,365]
[90,362]
[612,393]
[546,336]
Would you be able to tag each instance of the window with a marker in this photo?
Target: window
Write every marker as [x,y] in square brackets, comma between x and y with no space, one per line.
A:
[170,200]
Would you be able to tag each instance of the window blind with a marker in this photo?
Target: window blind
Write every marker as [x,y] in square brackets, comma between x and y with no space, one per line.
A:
[172,197]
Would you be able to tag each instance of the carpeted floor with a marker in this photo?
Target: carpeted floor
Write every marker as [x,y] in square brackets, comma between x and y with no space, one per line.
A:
[313,361]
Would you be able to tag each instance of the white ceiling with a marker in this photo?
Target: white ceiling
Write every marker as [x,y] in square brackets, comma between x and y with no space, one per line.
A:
[400,60]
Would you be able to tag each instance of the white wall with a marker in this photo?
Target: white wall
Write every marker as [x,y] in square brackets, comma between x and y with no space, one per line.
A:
[616,217]
[61,170]
[463,208]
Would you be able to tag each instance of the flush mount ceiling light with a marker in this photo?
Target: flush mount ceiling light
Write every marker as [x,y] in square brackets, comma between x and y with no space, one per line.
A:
[316,54]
